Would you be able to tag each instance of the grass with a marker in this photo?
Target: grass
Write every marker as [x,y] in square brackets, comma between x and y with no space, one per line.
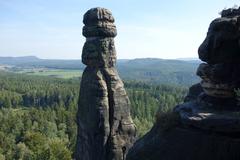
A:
[58,73]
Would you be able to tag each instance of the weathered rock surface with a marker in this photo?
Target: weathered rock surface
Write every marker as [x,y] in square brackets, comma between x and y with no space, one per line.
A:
[105,128]
[207,125]
[193,92]
[185,144]
[221,52]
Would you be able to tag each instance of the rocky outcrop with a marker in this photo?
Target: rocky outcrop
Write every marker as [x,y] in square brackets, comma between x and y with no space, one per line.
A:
[207,125]
[105,128]
[220,51]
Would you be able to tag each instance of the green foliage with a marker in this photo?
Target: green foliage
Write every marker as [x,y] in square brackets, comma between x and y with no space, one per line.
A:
[147,100]
[237,93]
[33,134]
[58,150]
[38,114]
[23,152]
[2,157]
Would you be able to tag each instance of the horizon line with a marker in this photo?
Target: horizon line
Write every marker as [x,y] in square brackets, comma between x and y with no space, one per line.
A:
[179,58]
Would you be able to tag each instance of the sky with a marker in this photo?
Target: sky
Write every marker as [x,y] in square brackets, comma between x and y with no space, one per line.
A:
[52,29]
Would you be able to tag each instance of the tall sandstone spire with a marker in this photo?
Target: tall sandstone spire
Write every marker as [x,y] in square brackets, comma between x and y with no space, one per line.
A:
[105,128]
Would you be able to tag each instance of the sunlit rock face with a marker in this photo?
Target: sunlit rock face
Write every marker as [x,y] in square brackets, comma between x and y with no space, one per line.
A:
[207,125]
[105,127]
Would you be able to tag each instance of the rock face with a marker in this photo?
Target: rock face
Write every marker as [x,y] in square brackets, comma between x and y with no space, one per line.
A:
[220,51]
[105,128]
[207,125]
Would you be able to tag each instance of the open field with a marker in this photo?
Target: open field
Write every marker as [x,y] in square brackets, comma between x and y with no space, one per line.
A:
[58,73]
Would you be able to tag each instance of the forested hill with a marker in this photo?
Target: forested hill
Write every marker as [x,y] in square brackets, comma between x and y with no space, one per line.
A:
[149,70]
[159,70]
[32,61]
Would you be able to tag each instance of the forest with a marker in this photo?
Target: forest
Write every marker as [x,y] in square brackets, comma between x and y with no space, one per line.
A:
[38,114]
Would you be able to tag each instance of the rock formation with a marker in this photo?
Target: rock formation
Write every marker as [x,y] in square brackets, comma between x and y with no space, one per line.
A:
[207,125]
[105,128]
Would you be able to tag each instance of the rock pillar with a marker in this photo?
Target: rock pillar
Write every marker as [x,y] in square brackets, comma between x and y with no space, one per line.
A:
[105,127]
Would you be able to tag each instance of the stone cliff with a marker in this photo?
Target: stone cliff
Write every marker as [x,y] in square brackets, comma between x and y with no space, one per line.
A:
[105,127]
[207,125]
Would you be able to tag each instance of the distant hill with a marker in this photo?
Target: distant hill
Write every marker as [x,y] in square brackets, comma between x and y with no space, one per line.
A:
[15,60]
[32,61]
[159,70]
[151,70]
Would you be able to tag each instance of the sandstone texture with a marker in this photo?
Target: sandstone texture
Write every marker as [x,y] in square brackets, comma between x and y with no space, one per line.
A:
[221,52]
[207,125]
[105,128]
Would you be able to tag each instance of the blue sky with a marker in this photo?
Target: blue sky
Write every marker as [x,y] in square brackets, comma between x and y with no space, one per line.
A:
[146,28]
